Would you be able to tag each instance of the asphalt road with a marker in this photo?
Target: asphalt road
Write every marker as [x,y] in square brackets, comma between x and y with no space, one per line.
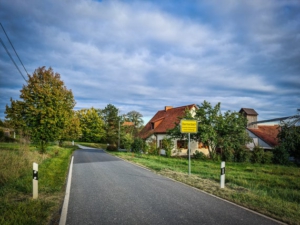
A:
[108,190]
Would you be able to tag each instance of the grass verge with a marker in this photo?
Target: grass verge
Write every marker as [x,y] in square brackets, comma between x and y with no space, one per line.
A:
[16,203]
[269,189]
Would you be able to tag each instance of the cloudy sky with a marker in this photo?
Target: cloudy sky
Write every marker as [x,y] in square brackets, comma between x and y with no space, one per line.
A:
[144,55]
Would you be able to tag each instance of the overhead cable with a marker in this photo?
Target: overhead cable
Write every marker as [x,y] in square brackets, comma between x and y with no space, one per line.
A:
[13,47]
[12,59]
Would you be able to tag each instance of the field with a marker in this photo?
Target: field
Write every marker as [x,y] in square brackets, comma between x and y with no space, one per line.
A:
[269,189]
[16,203]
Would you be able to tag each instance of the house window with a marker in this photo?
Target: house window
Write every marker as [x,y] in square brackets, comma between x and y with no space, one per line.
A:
[160,144]
[152,126]
[182,144]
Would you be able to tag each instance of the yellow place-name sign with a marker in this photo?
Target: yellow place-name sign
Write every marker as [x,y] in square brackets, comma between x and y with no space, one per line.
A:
[188,126]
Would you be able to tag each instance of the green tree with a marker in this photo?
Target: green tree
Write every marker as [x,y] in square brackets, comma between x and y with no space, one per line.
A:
[111,123]
[137,145]
[216,131]
[289,144]
[91,125]
[232,134]
[72,129]
[44,109]
[136,118]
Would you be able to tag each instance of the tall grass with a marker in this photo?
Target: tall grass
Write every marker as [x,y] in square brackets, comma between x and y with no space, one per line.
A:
[16,203]
[269,189]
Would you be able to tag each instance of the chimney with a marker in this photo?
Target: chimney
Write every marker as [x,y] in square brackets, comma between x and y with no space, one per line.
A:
[168,107]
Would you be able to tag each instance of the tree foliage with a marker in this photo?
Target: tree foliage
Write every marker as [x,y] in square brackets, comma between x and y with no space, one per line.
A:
[91,125]
[111,123]
[168,145]
[72,129]
[137,145]
[136,118]
[289,144]
[217,131]
[45,107]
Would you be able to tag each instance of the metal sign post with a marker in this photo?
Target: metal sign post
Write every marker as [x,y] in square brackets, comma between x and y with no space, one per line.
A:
[189,126]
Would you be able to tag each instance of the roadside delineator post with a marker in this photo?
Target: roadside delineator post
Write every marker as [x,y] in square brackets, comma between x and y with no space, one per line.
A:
[35,180]
[222,177]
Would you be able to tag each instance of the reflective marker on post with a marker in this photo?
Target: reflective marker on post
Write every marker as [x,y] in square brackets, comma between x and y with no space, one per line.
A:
[222,177]
[35,179]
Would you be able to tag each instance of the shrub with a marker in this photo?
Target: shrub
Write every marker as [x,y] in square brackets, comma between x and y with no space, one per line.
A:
[168,144]
[1,134]
[267,157]
[112,148]
[241,154]
[127,141]
[137,145]
[257,155]
[227,155]
[280,155]
[199,155]
[152,149]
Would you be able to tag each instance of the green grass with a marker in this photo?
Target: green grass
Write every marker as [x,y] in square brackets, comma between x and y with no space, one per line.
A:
[269,189]
[16,203]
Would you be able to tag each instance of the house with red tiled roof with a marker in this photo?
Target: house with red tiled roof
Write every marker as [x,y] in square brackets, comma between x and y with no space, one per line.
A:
[264,136]
[164,120]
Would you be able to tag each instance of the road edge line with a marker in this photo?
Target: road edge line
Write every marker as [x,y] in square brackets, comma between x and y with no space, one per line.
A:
[204,192]
[64,211]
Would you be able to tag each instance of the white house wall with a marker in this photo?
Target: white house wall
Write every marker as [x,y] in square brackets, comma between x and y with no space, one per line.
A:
[194,144]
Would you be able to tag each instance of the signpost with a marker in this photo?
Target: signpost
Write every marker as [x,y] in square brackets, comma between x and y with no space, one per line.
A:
[189,126]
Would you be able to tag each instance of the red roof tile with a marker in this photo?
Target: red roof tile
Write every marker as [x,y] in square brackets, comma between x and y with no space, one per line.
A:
[164,120]
[126,123]
[267,133]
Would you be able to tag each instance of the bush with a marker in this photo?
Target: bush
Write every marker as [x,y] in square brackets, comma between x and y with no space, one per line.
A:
[227,155]
[1,134]
[137,145]
[241,154]
[199,155]
[112,148]
[257,155]
[151,147]
[127,141]
[280,155]
[167,145]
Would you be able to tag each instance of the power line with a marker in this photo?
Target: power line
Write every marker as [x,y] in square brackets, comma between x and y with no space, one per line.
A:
[13,47]
[12,58]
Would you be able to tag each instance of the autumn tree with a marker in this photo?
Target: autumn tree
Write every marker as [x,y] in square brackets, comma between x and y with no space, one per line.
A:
[44,109]
[91,125]
[72,129]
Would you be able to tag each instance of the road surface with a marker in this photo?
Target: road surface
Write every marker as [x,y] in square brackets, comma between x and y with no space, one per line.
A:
[108,190]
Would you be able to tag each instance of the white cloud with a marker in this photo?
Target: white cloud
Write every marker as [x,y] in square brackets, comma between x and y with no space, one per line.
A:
[142,57]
